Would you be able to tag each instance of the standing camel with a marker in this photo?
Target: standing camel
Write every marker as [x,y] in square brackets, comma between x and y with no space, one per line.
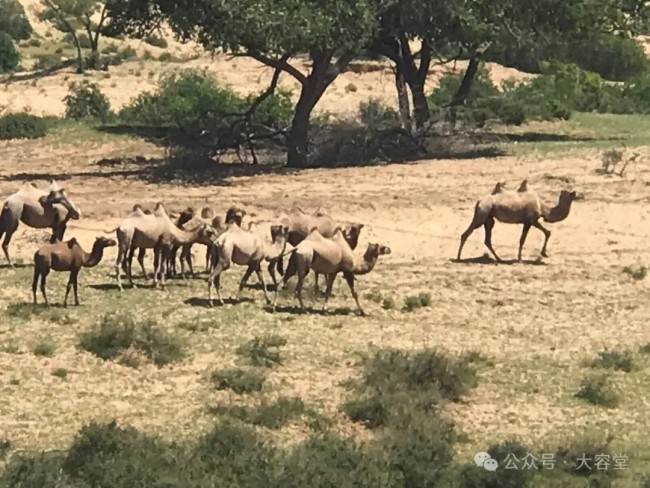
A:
[521,206]
[47,208]
[66,256]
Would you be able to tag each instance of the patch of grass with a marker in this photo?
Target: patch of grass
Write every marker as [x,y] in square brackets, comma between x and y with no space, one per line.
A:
[350,88]
[645,349]
[636,272]
[60,373]
[238,380]
[116,333]
[165,57]
[597,391]
[44,348]
[10,348]
[14,382]
[373,296]
[414,302]
[272,415]
[5,446]
[588,456]
[59,317]
[263,351]
[155,41]
[394,380]
[388,303]
[477,358]
[618,361]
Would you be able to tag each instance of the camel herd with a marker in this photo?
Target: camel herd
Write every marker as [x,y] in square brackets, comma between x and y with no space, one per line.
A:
[310,241]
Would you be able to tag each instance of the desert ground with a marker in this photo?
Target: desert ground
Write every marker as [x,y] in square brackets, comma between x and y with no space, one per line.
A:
[537,321]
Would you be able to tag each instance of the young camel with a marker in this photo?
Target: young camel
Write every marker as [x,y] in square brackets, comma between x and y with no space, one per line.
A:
[330,256]
[244,248]
[66,256]
[150,231]
[39,209]
[522,206]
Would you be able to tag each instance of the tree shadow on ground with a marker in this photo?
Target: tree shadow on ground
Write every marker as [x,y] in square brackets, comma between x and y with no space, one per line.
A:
[309,310]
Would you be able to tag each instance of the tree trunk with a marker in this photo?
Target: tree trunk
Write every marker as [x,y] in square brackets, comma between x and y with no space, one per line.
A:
[298,143]
[420,104]
[80,58]
[403,100]
[468,78]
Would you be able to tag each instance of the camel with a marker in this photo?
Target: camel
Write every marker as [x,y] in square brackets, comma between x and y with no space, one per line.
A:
[234,215]
[522,206]
[36,208]
[149,231]
[331,256]
[66,256]
[300,224]
[244,248]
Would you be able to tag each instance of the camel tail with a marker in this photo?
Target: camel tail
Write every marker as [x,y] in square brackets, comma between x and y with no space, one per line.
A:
[110,231]
[290,251]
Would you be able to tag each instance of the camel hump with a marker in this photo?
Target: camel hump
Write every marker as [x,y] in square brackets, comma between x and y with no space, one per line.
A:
[498,188]
[72,242]
[206,213]
[523,187]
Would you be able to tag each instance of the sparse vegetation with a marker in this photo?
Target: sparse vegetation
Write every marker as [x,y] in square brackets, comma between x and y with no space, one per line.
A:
[263,351]
[619,361]
[413,302]
[272,415]
[636,272]
[597,391]
[60,373]
[44,348]
[238,380]
[156,41]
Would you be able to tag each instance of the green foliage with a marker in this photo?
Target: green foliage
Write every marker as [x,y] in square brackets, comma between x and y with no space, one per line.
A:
[165,57]
[47,61]
[394,382]
[85,100]
[472,476]
[156,41]
[590,446]
[115,334]
[22,126]
[13,20]
[238,380]
[60,373]
[272,415]
[597,391]
[637,273]
[9,56]
[128,53]
[414,302]
[263,351]
[44,348]
[619,361]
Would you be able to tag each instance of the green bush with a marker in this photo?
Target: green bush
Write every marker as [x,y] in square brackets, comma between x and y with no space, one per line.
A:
[620,361]
[156,41]
[272,415]
[22,126]
[85,100]
[9,56]
[472,476]
[238,380]
[44,348]
[47,61]
[414,302]
[127,53]
[597,391]
[263,351]
[165,57]
[373,113]
[14,21]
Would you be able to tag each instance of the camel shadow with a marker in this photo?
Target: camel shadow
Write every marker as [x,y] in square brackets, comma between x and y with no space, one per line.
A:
[205,303]
[485,259]
[296,310]
[16,266]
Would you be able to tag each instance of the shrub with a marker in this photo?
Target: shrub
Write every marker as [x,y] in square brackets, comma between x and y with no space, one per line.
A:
[85,100]
[84,40]
[127,53]
[9,56]
[44,348]
[14,21]
[416,301]
[388,303]
[373,113]
[116,334]
[22,126]
[33,42]
[472,476]
[156,41]
[47,61]
[580,456]
[645,349]
[597,391]
[238,380]
[393,379]
[621,361]
[60,373]
[637,273]
[263,351]
[165,57]
[273,415]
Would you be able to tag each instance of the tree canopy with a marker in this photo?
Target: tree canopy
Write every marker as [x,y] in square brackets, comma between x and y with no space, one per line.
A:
[13,20]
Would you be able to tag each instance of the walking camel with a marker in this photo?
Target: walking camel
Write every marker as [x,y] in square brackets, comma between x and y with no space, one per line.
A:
[40,209]
[66,256]
[521,206]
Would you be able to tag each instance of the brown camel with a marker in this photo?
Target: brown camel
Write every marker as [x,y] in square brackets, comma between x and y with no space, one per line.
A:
[300,224]
[244,248]
[522,206]
[66,256]
[36,208]
[150,231]
[331,256]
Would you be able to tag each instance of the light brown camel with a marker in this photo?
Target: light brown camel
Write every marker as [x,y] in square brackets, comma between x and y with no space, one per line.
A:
[522,206]
[331,256]
[36,208]
[234,215]
[300,224]
[150,231]
[244,248]
[66,256]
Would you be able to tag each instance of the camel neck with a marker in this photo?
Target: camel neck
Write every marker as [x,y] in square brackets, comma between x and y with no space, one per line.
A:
[93,259]
[366,266]
[558,212]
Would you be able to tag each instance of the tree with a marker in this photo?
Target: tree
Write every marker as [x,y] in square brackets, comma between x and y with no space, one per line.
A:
[13,20]
[9,57]
[274,32]
[69,16]
[469,27]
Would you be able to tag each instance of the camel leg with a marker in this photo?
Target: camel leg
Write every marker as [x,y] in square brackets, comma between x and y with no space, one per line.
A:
[522,239]
[215,278]
[43,278]
[9,232]
[120,263]
[208,256]
[68,287]
[316,289]
[244,279]
[35,283]
[258,272]
[298,292]
[463,238]
[547,235]
[271,270]
[75,285]
[290,271]
[329,283]
[349,277]
[142,252]
[489,225]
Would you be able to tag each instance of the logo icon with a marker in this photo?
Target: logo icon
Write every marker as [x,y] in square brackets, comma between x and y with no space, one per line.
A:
[484,460]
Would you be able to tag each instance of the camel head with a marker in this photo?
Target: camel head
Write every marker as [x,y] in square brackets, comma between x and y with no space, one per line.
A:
[59,196]
[351,234]
[185,216]
[105,242]
[373,251]
[207,213]
[278,231]
[567,196]
[236,215]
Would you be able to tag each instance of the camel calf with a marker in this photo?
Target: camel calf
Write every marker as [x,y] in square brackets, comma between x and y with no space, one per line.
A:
[66,256]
